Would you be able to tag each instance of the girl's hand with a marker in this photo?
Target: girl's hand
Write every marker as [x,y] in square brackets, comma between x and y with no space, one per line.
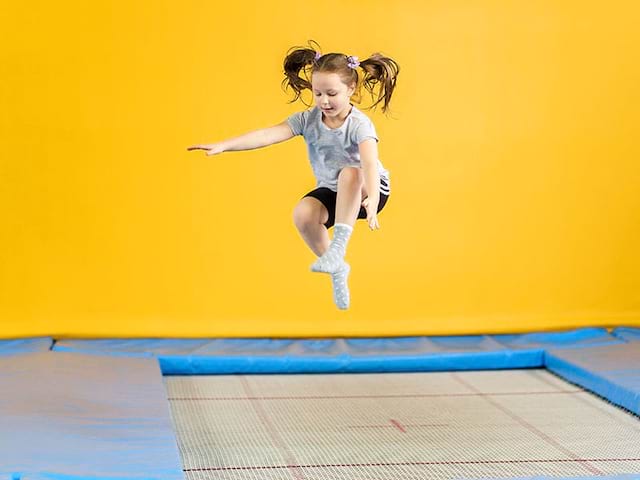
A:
[211,149]
[372,217]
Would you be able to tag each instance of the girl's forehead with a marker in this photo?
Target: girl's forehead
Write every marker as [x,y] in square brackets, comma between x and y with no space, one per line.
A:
[326,80]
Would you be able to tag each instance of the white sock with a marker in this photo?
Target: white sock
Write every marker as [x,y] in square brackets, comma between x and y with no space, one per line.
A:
[333,259]
[340,287]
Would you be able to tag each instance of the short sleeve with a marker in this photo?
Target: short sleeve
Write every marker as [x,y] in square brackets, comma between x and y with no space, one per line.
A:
[363,131]
[297,122]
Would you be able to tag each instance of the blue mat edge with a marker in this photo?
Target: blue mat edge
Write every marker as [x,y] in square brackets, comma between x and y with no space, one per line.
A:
[26,345]
[280,356]
[594,382]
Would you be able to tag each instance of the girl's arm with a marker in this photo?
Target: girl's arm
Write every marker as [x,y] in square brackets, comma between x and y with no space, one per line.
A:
[369,160]
[249,141]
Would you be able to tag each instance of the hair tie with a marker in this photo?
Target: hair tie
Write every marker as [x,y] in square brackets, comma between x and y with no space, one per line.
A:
[353,62]
[318,55]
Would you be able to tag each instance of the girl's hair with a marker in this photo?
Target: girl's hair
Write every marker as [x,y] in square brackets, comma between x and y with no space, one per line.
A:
[378,69]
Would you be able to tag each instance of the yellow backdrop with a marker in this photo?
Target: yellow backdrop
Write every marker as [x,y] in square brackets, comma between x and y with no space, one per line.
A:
[512,146]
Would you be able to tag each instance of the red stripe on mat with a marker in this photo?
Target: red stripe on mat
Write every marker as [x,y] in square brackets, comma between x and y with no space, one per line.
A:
[338,397]
[405,464]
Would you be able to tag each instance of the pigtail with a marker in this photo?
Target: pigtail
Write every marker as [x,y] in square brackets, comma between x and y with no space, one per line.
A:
[299,59]
[379,70]
[382,70]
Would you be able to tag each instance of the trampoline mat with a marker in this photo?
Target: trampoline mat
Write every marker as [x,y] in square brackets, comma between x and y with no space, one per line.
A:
[441,425]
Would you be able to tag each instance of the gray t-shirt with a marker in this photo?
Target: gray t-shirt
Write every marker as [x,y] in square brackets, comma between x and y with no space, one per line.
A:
[332,149]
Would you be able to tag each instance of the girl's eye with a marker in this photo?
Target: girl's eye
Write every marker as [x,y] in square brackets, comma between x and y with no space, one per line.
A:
[331,94]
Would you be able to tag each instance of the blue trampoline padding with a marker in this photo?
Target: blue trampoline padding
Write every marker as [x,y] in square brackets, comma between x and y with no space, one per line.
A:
[628,334]
[580,338]
[85,417]
[241,356]
[351,355]
[121,347]
[25,345]
[356,355]
[612,371]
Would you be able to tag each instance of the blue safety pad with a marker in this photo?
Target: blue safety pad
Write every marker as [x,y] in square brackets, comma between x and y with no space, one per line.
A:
[628,334]
[25,345]
[354,355]
[128,347]
[612,371]
[580,338]
[242,356]
[75,417]
[474,352]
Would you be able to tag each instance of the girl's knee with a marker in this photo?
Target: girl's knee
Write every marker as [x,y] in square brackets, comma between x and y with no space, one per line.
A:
[308,212]
[300,214]
[351,175]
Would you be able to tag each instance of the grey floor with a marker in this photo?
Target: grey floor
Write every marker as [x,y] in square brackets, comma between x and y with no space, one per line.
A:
[444,425]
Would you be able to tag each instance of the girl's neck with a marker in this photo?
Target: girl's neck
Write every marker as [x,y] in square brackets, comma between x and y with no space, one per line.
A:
[341,118]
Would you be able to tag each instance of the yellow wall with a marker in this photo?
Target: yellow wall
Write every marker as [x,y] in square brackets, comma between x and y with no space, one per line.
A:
[513,149]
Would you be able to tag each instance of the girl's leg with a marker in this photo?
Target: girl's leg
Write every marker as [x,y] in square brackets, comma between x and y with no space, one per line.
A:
[348,202]
[350,195]
[309,217]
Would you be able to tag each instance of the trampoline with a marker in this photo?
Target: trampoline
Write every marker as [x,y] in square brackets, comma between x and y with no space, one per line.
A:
[438,425]
[539,405]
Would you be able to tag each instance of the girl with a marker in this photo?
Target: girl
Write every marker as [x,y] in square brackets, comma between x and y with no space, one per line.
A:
[341,142]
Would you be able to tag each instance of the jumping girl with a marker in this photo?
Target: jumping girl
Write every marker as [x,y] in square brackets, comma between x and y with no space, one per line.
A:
[341,142]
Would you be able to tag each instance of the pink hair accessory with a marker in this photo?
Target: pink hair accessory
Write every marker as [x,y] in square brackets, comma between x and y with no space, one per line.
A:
[353,61]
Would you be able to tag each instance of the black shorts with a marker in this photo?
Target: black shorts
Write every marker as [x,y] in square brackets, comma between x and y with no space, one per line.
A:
[328,198]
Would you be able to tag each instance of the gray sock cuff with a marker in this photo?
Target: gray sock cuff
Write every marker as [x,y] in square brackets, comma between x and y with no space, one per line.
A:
[343,225]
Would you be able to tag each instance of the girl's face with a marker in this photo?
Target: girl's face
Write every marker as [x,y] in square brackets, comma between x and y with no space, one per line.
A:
[331,94]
